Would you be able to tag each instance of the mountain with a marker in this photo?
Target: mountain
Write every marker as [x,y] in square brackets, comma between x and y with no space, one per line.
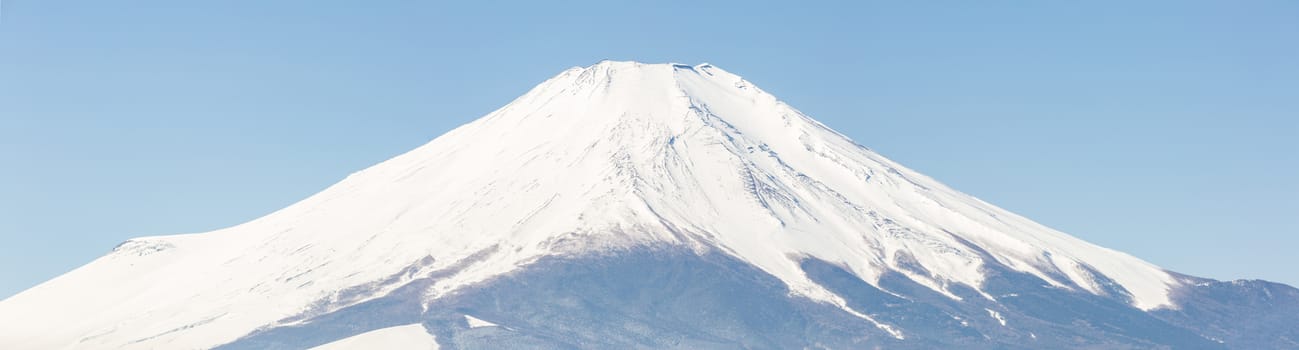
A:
[629,205]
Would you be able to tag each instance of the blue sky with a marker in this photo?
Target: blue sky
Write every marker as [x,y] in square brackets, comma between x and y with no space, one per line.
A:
[1166,129]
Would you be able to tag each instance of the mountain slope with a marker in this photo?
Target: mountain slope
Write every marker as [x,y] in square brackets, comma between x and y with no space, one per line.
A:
[400,337]
[615,171]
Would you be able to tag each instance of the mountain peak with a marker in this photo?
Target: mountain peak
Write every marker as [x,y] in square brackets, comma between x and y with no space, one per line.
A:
[607,70]
[617,64]
[626,153]
[626,89]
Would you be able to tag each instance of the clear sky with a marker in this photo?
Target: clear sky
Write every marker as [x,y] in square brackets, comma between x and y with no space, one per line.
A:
[1166,129]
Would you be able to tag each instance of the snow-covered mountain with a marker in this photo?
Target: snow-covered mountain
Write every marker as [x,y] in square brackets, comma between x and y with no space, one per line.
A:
[640,205]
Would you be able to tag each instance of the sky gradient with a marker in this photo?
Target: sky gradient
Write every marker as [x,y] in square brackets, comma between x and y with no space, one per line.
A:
[1167,130]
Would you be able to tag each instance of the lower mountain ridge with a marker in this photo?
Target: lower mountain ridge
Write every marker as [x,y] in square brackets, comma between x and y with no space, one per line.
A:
[678,298]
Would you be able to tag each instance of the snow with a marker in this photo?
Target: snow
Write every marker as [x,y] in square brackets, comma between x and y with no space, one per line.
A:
[475,322]
[408,337]
[997,316]
[609,156]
